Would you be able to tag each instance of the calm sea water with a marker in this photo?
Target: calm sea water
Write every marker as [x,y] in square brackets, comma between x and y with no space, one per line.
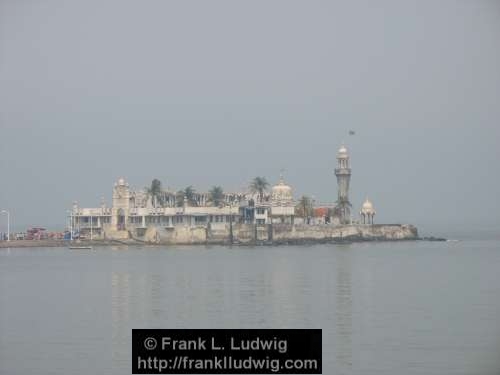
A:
[385,308]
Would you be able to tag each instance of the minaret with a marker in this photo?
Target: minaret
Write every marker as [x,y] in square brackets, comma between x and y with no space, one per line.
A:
[343,173]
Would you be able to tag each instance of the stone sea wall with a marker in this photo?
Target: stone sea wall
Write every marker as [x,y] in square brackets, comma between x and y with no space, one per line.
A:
[283,233]
[241,234]
[274,233]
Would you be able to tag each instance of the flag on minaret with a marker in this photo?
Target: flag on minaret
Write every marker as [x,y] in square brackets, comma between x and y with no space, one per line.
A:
[352,132]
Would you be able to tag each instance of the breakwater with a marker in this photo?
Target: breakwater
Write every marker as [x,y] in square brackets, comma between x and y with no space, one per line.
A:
[275,234]
[61,243]
[240,234]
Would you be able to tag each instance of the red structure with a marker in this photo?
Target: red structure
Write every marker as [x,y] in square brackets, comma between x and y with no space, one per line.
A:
[320,212]
[36,233]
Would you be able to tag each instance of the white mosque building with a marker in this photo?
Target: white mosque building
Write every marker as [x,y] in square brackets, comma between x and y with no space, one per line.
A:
[134,210]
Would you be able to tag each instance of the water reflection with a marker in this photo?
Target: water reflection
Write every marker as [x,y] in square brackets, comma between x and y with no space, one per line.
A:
[120,314]
[343,298]
[401,308]
[194,289]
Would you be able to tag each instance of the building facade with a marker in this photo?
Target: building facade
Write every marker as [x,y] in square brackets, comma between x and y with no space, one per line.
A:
[133,211]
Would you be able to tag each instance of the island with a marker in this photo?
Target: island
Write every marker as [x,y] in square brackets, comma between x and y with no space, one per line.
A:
[157,216]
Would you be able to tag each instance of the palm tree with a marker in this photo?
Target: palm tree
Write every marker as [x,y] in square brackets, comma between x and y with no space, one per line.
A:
[179,198]
[216,195]
[188,193]
[259,185]
[304,207]
[155,192]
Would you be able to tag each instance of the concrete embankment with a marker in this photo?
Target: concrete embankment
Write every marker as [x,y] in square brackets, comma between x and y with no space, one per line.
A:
[33,243]
[278,234]
[244,234]
[63,243]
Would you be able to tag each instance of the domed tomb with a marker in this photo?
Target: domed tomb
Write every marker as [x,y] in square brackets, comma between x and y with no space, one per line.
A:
[282,206]
[367,212]
[281,192]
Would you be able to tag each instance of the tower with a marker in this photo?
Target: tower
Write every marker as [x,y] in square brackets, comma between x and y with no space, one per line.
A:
[121,204]
[343,173]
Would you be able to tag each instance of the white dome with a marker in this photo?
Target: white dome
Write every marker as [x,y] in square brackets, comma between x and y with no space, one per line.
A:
[121,181]
[342,153]
[281,191]
[367,207]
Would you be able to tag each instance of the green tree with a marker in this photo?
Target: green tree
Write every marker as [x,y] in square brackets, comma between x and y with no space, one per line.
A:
[216,195]
[189,194]
[304,207]
[155,192]
[259,186]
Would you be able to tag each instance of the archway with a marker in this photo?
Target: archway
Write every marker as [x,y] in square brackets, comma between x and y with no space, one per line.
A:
[121,219]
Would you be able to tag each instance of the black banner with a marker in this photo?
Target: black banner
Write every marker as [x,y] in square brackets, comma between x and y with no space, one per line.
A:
[226,351]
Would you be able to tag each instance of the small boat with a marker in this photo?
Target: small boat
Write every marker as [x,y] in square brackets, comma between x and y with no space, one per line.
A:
[80,247]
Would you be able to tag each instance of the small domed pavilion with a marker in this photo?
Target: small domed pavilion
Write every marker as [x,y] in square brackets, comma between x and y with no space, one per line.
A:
[367,212]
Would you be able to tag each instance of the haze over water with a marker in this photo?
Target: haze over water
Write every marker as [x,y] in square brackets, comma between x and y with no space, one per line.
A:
[385,308]
[218,92]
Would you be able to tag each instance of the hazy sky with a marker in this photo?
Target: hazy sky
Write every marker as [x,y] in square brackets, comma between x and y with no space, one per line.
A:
[217,92]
